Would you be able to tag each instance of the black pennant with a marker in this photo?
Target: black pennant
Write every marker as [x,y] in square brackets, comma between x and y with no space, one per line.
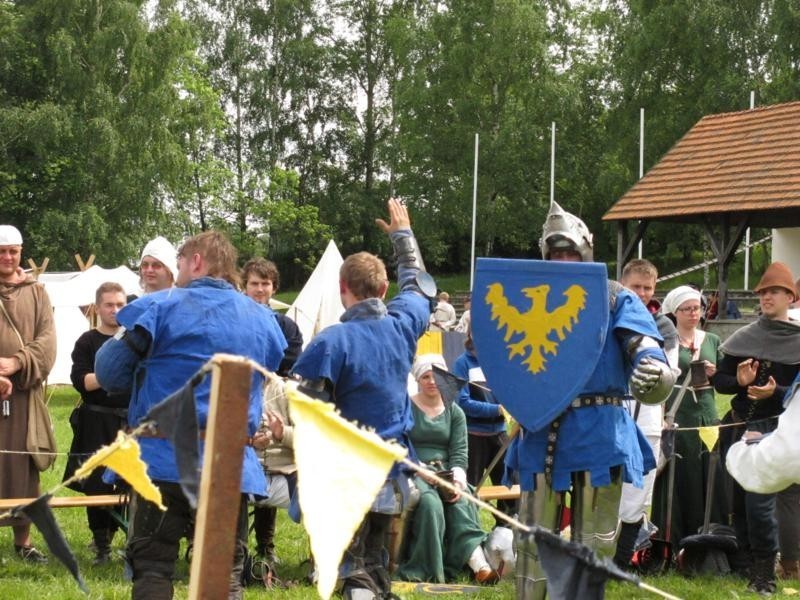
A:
[574,570]
[176,418]
[42,516]
[449,385]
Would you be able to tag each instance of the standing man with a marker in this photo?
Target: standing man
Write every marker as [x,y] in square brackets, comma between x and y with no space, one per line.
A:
[362,366]
[158,266]
[444,315]
[640,276]
[167,337]
[759,364]
[261,280]
[594,445]
[27,353]
[99,417]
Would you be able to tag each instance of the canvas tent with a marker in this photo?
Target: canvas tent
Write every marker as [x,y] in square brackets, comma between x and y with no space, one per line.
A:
[318,304]
[70,291]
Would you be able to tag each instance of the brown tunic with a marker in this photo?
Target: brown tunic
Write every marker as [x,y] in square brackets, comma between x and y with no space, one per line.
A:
[29,308]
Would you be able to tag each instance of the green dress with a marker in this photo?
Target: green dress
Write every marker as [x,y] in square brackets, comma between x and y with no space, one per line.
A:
[442,535]
[698,409]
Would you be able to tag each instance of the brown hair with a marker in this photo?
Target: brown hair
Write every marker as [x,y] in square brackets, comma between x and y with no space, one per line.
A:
[263,268]
[105,288]
[641,266]
[218,253]
[364,274]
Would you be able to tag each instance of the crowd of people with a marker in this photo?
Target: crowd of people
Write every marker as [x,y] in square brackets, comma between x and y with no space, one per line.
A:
[624,465]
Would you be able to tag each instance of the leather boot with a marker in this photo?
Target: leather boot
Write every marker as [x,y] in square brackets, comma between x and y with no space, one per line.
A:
[626,544]
[102,546]
[762,576]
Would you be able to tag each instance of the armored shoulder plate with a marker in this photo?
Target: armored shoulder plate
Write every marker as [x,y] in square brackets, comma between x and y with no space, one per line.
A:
[614,288]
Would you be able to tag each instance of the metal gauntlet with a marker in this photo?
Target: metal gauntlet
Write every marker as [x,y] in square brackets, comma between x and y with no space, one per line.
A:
[651,381]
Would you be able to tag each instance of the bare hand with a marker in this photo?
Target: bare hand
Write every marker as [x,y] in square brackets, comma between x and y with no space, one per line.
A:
[6,387]
[9,366]
[455,497]
[398,213]
[261,440]
[752,435]
[762,392]
[275,424]
[746,372]
[711,369]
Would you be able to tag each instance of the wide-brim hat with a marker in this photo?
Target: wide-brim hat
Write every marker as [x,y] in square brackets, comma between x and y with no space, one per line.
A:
[777,275]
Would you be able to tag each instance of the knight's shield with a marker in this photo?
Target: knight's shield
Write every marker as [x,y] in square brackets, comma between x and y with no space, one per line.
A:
[539,328]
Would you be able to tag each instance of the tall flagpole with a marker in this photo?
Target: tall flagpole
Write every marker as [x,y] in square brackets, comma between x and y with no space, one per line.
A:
[474,215]
[747,233]
[641,158]
[552,161]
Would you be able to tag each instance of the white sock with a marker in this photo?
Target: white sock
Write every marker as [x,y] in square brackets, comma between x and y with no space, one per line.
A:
[477,560]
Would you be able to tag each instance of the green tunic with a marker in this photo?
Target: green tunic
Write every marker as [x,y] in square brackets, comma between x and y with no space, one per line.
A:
[698,409]
[442,535]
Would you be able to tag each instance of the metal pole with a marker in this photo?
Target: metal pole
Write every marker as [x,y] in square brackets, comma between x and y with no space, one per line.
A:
[641,160]
[746,285]
[474,215]
[552,161]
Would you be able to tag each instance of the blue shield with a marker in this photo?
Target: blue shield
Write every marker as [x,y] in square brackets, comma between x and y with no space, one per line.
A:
[539,328]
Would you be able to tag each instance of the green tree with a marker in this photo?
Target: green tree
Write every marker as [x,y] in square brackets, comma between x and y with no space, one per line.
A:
[91,133]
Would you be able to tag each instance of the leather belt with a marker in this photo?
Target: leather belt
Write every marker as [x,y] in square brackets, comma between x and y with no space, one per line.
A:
[552,432]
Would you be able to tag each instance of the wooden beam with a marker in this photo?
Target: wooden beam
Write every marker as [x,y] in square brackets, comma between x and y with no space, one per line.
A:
[220,480]
[625,247]
[83,266]
[37,270]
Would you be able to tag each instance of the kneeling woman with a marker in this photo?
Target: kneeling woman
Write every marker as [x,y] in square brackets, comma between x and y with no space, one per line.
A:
[445,534]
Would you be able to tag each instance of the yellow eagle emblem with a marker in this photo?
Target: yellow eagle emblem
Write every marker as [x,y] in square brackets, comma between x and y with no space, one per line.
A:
[537,324]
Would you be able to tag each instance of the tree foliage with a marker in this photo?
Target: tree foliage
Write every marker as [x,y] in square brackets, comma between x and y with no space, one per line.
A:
[288,122]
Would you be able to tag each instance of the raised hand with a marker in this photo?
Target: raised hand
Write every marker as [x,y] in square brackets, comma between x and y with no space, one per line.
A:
[398,215]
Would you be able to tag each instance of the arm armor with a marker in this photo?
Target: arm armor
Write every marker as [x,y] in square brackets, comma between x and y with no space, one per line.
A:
[651,380]
[411,274]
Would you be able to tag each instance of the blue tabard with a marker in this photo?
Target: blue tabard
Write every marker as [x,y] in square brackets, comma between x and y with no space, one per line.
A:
[367,358]
[596,438]
[187,326]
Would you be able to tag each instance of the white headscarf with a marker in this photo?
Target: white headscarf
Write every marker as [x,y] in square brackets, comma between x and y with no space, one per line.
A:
[678,296]
[425,363]
[164,252]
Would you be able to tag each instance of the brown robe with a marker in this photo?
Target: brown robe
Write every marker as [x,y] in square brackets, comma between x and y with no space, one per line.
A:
[29,308]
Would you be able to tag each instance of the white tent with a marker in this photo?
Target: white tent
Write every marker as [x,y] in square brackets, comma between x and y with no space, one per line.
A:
[68,292]
[318,304]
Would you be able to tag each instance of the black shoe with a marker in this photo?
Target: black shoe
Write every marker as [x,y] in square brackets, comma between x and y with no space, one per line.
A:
[762,577]
[30,554]
[102,558]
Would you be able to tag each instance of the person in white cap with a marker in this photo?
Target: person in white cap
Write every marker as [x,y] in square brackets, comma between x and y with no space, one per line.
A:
[27,353]
[158,266]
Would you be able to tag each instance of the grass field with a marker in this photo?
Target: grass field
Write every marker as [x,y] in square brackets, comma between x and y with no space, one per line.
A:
[20,581]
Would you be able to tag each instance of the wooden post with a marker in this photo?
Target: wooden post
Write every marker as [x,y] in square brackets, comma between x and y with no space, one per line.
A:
[36,270]
[83,266]
[220,480]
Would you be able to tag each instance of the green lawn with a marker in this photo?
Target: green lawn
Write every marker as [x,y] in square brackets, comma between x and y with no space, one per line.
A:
[20,581]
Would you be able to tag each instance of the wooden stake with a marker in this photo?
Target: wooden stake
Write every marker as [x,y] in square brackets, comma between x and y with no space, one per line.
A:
[83,266]
[220,480]
[36,270]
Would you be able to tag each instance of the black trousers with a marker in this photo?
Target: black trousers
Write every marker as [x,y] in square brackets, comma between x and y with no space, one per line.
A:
[154,539]
[482,450]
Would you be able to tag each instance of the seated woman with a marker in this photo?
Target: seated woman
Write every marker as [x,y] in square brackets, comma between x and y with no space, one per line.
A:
[445,534]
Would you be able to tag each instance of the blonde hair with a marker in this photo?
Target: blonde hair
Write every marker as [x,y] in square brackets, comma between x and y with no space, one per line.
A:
[641,266]
[217,251]
[364,274]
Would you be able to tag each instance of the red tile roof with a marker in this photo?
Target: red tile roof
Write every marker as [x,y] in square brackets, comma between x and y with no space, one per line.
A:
[740,162]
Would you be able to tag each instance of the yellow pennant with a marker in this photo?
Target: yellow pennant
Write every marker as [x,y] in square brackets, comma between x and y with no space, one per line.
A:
[709,435]
[124,458]
[340,469]
[430,343]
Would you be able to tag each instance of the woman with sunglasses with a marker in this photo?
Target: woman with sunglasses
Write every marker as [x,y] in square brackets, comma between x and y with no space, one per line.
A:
[698,352]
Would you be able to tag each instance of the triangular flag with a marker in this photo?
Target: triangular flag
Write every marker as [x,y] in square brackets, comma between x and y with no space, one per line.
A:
[449,385]
[709,435]
[124,458]
[42,516]
[340,470]
[176,419]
